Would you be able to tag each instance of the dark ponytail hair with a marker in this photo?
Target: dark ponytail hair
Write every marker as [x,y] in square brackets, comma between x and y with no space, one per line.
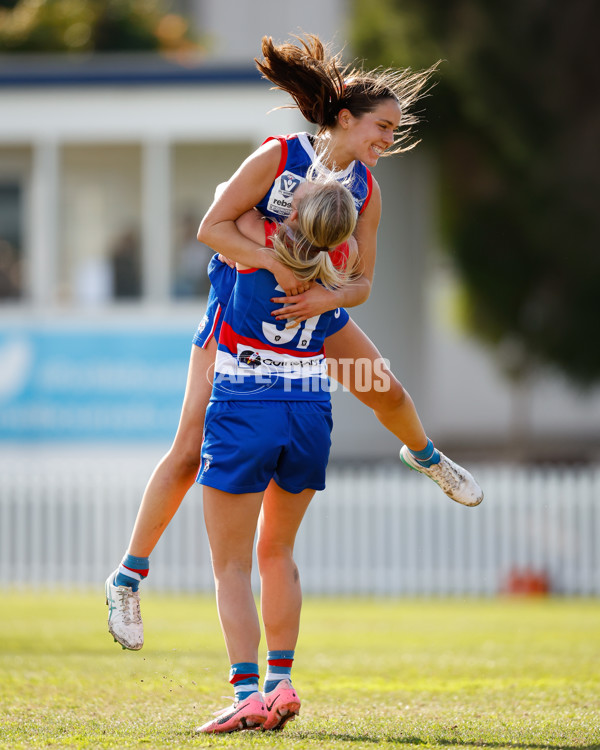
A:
[321,85]
[312,77]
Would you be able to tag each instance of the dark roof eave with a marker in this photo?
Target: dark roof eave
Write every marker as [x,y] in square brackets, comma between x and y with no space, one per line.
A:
[18,70]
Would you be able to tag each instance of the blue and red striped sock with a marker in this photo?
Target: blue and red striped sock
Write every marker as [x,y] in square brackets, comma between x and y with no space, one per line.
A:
[279,667]
[244,677]
[132,571]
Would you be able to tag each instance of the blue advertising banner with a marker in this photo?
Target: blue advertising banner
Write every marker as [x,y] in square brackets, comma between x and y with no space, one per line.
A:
[60,383]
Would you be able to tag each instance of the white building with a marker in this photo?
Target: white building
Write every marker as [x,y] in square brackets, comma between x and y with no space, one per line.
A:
[106,167]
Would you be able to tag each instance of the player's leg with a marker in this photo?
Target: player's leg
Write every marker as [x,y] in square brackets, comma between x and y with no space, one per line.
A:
[231,523]
[281,593]
[357,364]
[177,470]
[242,444]
[359,367]
[300,472]
[167,487]
[281,597]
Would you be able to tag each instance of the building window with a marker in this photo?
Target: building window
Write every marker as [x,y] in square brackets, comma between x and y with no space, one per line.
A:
[197,170]
[100,243]
[11,241]
[104,254]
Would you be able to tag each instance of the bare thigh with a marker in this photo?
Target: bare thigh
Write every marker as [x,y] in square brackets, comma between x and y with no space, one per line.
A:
[231,524]
[280,518]
[188,439]
[357,364]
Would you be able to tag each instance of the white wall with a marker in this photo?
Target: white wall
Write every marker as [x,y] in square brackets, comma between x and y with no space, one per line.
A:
[125,113]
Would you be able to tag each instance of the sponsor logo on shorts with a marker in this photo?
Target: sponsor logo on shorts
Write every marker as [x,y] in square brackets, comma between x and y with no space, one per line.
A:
[207,458]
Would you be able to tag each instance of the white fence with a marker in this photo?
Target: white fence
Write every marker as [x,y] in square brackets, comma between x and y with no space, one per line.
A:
[380,530]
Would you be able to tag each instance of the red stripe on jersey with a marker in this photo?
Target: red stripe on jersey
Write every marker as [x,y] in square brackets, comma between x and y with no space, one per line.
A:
[214,326]
[339,255]
[270,229]
[284,151]
[231,339]
[369,191]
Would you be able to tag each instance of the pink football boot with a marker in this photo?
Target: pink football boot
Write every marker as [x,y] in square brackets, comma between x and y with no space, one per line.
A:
[282,704]
[251,713]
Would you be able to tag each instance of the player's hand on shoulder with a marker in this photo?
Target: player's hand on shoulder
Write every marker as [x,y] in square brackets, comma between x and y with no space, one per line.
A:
[287,281]
[315,301]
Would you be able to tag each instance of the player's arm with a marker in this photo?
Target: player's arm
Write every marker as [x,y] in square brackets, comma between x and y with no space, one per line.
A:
[317,299]
[252,226]
[241,193]
[359,289]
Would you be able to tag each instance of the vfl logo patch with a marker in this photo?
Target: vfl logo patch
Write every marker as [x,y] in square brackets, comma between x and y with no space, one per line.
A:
[289,182]
[280,200]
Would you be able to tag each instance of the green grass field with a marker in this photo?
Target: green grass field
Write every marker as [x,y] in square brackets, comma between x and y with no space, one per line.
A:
[403,674]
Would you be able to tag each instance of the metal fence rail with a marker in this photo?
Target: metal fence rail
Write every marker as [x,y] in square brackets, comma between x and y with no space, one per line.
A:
[380,530]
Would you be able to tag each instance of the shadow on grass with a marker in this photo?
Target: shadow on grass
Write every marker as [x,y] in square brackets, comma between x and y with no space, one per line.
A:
[411,740]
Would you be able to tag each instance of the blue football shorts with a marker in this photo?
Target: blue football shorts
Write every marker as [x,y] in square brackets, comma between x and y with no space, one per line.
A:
[222,279]
[248,443]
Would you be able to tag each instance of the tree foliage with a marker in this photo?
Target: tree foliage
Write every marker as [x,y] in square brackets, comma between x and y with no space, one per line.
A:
[91,26]
[515,117]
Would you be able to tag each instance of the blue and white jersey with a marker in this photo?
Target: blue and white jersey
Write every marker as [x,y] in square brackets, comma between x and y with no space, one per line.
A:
[258,358]
[297,156]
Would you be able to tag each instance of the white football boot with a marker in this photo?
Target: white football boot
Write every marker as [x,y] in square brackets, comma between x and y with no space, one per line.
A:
[455,481]
[124,616]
